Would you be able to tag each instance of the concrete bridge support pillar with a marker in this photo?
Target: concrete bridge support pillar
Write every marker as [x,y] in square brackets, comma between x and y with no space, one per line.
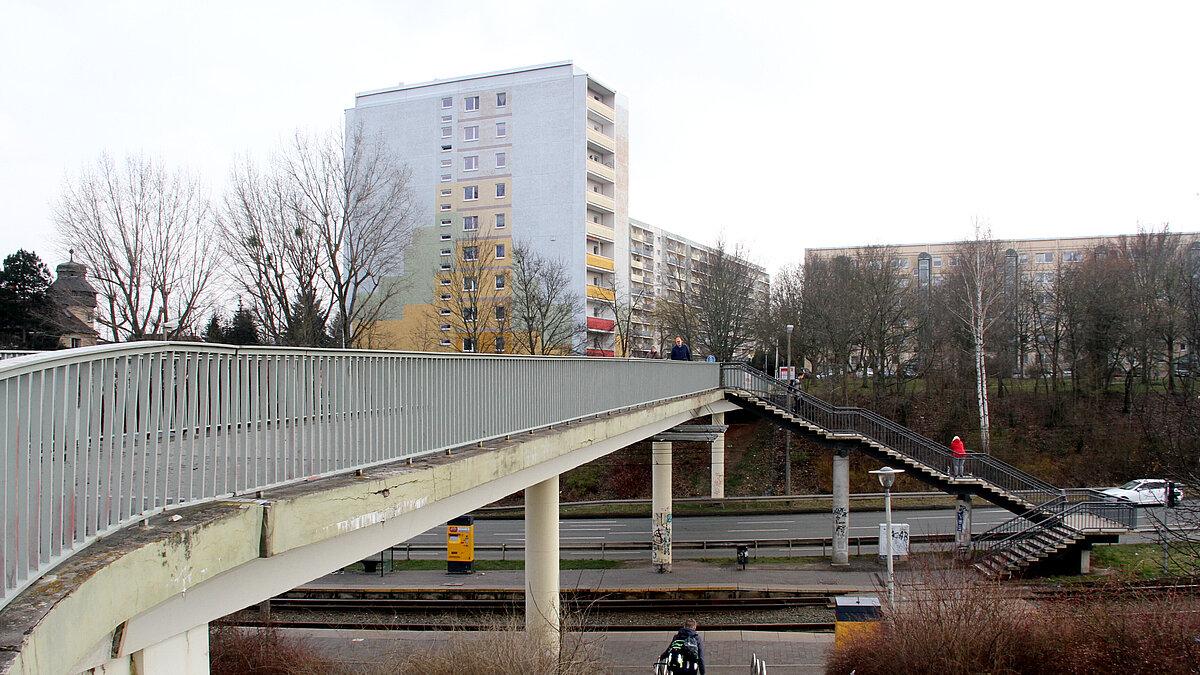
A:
[660,552]
[962,523]
[718,460]
[1085,559]
[541,564]
[184,654]
[841,506]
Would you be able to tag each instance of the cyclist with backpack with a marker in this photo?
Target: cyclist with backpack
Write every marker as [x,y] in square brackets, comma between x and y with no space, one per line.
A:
[686,653]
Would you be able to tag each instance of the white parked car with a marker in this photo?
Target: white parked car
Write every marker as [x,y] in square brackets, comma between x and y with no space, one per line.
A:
[1144,491]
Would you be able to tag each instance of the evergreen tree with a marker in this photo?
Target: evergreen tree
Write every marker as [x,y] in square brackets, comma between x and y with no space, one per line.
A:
[307,327]
[26,309]
[215,331]
[243,330]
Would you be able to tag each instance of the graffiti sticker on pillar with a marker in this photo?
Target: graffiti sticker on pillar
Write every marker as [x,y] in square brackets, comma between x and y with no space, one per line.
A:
[841,521]
[660,538]
[960,517]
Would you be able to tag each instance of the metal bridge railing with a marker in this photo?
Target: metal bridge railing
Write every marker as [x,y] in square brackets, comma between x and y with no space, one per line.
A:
[14,353]
[99,437]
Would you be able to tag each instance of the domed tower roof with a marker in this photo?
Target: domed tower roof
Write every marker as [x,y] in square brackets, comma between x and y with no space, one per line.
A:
[71,277]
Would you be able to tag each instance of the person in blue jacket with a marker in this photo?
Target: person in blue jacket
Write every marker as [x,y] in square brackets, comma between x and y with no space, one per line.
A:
[680,352]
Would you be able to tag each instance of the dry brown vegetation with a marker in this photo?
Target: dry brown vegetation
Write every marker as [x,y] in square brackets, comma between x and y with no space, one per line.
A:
[949,623]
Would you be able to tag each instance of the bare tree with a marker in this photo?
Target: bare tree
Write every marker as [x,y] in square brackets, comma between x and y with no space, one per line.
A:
[144,233]
[545,309]
[476,302]
[323,229]
[889,322]
[978,299]
[626,312]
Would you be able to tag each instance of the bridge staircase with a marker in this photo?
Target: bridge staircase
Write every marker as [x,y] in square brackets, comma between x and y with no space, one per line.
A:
[1048,521]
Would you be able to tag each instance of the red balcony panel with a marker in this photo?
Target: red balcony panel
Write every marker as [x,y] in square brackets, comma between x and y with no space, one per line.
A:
[596,323]
[600,352]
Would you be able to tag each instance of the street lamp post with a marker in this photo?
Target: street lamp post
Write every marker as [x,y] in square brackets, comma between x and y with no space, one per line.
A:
[787,457]
[887,478]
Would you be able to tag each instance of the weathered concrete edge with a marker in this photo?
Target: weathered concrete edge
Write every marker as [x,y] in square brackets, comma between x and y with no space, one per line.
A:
[75,617]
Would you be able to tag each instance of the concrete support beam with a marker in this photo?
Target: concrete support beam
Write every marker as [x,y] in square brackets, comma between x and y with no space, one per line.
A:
[661,506]
[962,523]
[718,459]
[541,565]
[841,507]
[184,654]
[1085,560]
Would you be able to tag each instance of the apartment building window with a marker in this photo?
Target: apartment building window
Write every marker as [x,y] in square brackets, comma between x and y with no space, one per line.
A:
[444,281]
[471,192]
[447,102]
[501,312]
[444,207]
[447,131]
[470,253]
[445,192]
[500,220]
[471,133]
[501,99]
[445,343]
[500,189]
[445,327]
[596,251]
[899,263]
[1023,259]
[499,344]
[445,311]
[445,267]
[1072,256]
[446,119]
[446,148]
[468,345]
[501,280]
[445,223]
[501,160]
[471,163]
[445,297]
[471,103]
[469,314]
[1043,277]
[500,252]
[470,222]
[446,252]
[937,261]
[446,163]
[445,237]
[1044,257]
[469,284]
[501,129]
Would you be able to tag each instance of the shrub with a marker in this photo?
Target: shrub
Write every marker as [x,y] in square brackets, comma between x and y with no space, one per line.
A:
[951,623]
[263,651]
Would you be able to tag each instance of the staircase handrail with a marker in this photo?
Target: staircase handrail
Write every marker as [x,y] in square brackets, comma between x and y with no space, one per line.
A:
[1116,511]
[921,448]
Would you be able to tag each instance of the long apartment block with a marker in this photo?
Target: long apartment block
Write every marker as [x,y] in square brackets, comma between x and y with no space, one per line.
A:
[1036,258]
[666,265]
[536,157]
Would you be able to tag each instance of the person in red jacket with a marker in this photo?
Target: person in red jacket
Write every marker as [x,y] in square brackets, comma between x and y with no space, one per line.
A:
[958,457]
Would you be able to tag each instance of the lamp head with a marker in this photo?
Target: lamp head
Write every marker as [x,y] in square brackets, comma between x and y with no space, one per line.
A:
[790,327]
[887,476]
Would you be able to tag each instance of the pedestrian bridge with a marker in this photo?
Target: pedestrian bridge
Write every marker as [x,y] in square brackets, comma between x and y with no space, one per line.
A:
[150,488]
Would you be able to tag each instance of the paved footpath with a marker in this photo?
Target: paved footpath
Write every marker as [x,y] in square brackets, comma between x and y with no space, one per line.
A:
[725,651]
[686,574]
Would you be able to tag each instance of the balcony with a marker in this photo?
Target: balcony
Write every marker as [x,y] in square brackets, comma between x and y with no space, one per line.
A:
[601,202]
[595,323]
[601,293]
[600,262]
[600,232]
[635,262]
[601,110]
[601,140]
[599,352]
[636,278]
[601,172]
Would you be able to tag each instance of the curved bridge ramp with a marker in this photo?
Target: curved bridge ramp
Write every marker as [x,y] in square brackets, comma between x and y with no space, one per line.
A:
[1048,519]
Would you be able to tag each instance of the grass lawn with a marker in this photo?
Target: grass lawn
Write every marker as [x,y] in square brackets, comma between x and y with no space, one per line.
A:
[1143,561]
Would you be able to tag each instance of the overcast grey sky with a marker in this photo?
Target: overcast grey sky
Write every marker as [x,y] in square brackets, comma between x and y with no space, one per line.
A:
[783,125]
